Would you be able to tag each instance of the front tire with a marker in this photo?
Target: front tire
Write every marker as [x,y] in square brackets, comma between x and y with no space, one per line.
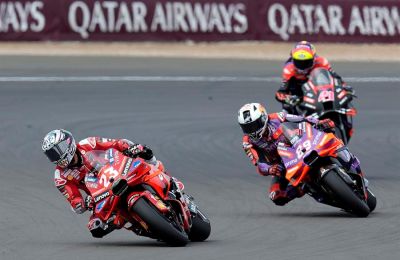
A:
[344,195]
[371,201]
[201,228]
[159,224]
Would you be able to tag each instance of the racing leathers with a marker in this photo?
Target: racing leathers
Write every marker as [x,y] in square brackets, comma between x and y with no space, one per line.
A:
[71,180]
[264,155]
[290,92]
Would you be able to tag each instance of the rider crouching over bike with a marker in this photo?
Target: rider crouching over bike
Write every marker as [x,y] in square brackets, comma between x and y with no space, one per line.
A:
[72,168]
[303,59]
[262,133]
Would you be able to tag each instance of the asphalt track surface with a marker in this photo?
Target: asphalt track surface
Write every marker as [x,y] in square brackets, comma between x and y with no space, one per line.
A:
[192,128]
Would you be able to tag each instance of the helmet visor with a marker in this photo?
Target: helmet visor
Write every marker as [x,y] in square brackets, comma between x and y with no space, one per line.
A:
[254,127]
[303,64]
[57,152]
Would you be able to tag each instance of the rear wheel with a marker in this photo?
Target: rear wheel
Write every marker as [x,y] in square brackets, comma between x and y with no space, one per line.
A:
[344,195]
[158,224]
[201,227]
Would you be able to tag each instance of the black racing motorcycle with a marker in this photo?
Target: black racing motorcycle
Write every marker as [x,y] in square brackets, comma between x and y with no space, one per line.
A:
[326,97]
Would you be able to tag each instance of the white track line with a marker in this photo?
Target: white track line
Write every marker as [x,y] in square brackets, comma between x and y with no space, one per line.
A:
[176,79]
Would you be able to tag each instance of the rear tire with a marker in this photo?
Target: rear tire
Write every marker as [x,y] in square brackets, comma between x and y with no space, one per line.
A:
[344,194]
[371,201]
[201,228]
[159,224]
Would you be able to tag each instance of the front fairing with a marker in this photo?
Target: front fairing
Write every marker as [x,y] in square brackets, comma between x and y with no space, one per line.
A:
[302,140]
[323,94]
[107,167]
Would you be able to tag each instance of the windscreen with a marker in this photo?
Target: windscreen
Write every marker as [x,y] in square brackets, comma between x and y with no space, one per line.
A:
[98,158]
[291,131]
[320,77]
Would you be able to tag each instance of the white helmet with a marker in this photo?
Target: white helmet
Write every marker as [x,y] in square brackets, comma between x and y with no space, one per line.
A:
[253,120]
[59,146]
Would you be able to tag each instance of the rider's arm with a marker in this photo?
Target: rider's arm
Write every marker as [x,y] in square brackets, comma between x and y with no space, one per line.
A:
[285,117]
[123,145]
[325,125]
[97,143]
[71,192]
[252,153]
[249,150]
[324,63]
[283,94]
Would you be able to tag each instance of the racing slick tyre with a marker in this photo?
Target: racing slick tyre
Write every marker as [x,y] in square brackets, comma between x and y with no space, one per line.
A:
[201,227]
[371,201]
[159,224]
[344,194]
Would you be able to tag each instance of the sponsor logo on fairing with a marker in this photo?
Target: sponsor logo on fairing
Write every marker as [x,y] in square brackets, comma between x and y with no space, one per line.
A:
[92,185]
[101,196]
[100,205]
[309,106]
[317,137]
[308,100]
[341,102]
[290,163]
[110,156]
[91,179]
[136,164]
[127,166]
[294,140]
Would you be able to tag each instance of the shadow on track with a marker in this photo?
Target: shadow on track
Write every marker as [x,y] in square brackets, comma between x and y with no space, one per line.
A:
[141,244]
[337,214]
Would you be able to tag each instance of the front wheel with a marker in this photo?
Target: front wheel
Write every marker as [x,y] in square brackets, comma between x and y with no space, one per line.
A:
[201,227]
[158,224]
[371,201]
[344,195]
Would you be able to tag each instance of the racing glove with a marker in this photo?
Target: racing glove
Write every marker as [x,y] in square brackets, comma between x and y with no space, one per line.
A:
[325,125]
[134,150]
[274,170]
[292,100]
[247,149]
[89,203]
[138,150]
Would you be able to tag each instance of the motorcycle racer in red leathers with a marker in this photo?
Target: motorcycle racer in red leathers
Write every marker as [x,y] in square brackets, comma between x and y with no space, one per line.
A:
[303,59]
[262,133]
[73,167]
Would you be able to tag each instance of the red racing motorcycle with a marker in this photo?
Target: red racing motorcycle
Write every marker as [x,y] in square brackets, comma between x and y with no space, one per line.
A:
[312,163]
[146,197]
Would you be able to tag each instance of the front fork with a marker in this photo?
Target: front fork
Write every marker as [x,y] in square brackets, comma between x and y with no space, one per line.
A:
[355,180]
[177,193]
